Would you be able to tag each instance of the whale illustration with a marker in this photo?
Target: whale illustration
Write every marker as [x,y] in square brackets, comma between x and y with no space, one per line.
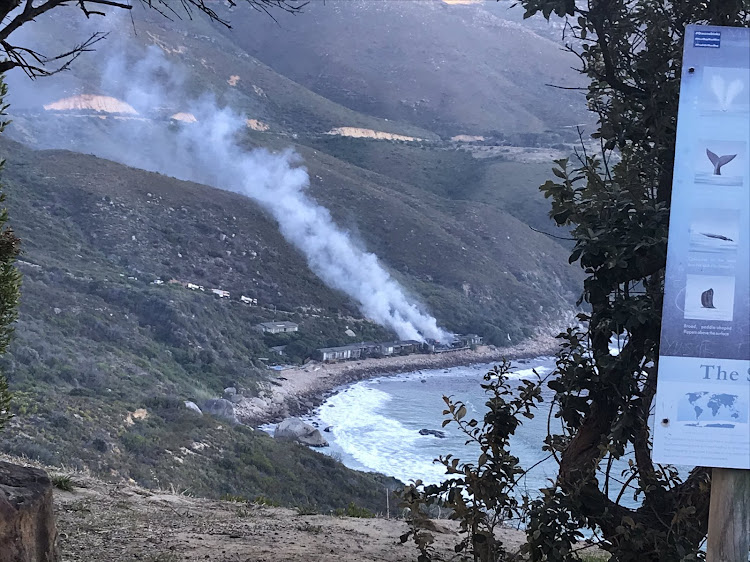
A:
[719,161]
[717,236]
[707,299]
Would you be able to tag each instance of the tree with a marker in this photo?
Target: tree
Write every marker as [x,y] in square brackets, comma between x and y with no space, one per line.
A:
[14,14]
[618,209]
[10,279]
[615,200]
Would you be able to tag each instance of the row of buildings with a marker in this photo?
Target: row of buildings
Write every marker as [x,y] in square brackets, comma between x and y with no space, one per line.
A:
[406,347]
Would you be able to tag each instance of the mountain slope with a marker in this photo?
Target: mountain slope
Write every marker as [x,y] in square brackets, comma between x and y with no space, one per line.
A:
[452,69]
[96,339]
[417,68]
[196,60]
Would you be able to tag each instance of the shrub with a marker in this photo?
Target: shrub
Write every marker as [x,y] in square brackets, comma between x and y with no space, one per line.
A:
[353,510]
[62,482]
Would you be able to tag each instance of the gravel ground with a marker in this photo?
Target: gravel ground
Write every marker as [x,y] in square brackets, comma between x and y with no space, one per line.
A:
[119,523]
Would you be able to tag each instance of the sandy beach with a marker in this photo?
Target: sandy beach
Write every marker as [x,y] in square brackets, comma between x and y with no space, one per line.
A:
[299,390]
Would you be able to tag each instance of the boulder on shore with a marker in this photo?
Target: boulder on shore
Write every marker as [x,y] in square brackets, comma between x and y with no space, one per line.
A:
[297,430]
[222,409]
[27,522]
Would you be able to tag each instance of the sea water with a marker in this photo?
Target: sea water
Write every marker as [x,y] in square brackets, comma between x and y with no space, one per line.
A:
[374,425]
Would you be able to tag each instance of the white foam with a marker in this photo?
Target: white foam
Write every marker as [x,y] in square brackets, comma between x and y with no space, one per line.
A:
[368,437]
[373,440]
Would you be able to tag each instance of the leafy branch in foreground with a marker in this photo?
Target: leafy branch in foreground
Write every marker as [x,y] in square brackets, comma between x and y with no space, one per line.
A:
[14,14]
[616,205]
[10,278]
[482,496]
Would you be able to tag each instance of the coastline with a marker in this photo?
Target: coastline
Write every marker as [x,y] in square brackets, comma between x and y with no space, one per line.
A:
[297,391]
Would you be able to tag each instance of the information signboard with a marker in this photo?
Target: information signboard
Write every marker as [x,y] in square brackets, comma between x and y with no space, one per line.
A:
[702,407]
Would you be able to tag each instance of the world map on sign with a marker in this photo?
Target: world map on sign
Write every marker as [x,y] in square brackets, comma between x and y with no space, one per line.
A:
[710,409]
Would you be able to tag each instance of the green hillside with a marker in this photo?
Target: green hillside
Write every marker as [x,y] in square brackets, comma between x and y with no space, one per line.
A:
[107,324]
[96,339]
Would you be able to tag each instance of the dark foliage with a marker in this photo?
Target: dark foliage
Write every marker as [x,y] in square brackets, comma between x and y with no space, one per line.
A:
[616,205]
[631,51]
[482,496]
[10,280]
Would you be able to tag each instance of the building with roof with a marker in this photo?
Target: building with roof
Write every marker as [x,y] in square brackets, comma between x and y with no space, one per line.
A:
[278,327]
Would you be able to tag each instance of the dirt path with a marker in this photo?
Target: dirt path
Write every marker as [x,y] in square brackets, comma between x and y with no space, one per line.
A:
[295,391]
[110,523]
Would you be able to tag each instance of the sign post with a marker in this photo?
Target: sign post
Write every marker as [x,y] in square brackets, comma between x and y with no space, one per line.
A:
[729,516]
[702,408]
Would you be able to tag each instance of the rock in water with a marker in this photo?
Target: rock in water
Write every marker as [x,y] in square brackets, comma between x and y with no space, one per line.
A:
[220,408]
[434,432]
[297,430]
[27,522]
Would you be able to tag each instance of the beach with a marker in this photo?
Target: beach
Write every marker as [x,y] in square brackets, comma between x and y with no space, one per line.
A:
[299,390]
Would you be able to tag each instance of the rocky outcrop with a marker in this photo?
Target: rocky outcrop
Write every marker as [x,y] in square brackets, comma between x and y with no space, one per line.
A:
[297,430]
[27,523]
[220,408]
[193,407]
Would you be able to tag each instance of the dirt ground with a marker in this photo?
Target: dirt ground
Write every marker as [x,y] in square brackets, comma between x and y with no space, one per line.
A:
[106,522]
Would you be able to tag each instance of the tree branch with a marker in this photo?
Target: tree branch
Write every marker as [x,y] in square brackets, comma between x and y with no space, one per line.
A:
[33,63]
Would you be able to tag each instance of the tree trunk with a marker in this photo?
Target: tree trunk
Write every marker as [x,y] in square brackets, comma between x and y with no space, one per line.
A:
[27,522]
[729,518]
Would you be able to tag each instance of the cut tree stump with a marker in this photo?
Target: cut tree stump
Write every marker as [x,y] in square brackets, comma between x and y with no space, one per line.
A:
[27,521]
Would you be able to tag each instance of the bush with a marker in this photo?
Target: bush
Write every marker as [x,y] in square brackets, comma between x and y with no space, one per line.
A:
[62,482]
[353,510]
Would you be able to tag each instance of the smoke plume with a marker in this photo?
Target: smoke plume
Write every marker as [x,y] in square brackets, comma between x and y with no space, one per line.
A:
[207,151]
[278,183]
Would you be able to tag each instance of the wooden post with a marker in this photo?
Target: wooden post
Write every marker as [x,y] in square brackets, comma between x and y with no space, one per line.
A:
[387,502]
[729,516]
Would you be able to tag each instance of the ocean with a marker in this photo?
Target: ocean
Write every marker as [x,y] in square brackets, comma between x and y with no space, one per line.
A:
[374,425]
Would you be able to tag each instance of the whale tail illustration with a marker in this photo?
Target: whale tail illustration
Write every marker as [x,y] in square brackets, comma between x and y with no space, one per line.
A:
[707,299]
[719,161]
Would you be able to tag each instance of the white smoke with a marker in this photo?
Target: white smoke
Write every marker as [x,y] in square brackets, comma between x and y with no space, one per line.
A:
[278,184]
[208,151]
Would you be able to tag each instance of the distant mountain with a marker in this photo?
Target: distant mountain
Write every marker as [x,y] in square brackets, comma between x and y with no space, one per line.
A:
[451,69]
[417,67]
[206,63]
[100,335]
[453,228]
